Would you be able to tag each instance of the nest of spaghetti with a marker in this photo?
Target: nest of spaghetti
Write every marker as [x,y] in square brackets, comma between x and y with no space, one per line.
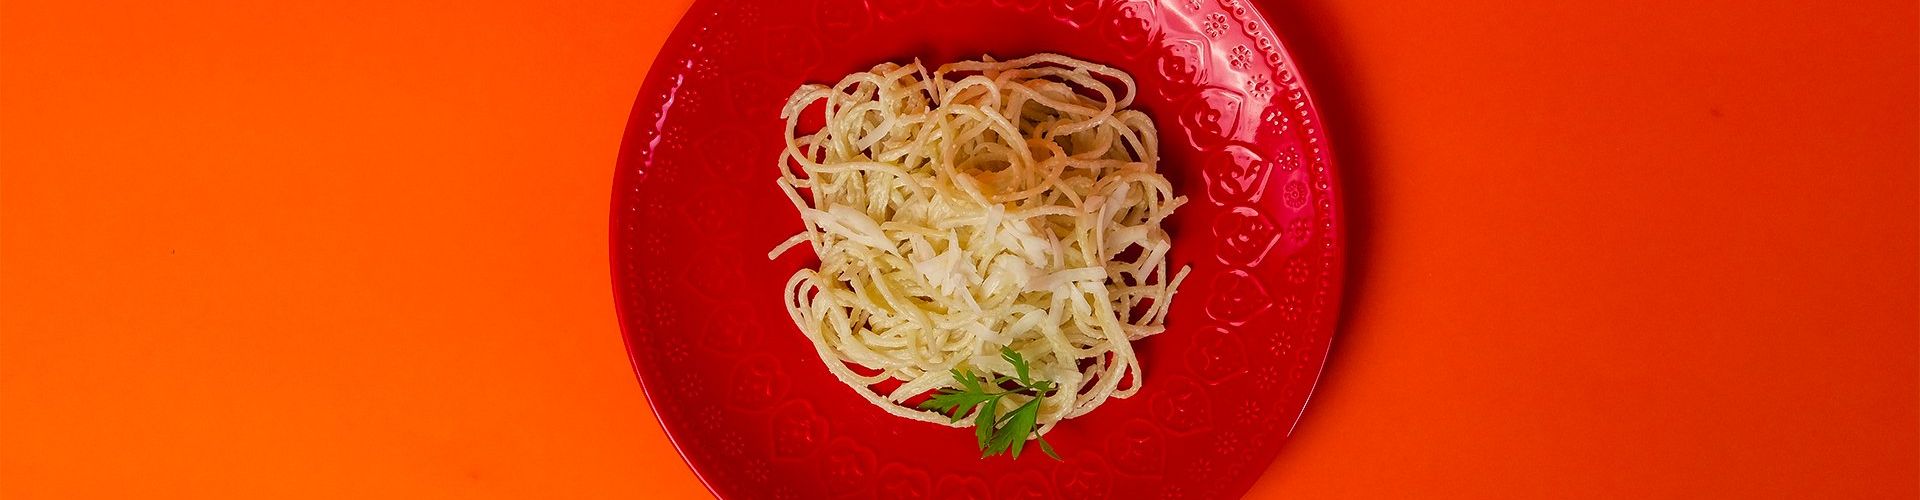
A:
[978,206]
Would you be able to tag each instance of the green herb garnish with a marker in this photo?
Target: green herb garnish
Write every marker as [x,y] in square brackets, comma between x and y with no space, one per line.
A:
[997,433]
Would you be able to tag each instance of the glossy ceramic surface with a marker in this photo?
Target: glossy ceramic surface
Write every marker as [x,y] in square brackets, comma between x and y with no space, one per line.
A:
[742,393]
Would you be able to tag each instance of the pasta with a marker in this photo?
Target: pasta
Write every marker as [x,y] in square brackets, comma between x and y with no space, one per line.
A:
[986,204]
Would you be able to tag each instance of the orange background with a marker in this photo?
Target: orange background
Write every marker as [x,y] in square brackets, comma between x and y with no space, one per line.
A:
[357,250]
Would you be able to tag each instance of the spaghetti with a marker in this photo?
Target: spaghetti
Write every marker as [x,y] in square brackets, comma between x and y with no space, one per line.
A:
[987,204]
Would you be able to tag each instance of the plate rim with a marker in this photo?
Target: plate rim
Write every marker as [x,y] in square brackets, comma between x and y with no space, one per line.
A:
[624,180]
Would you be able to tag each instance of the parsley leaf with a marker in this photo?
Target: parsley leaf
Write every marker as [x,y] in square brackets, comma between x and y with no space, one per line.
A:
[996,433]
[983,422]
[1020,423]
[1019,364]
[1048,449]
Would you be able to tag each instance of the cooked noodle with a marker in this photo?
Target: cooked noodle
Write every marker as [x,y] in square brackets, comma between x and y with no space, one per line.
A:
[986,204]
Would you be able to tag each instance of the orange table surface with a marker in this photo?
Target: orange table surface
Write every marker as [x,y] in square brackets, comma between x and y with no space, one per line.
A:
[358,250]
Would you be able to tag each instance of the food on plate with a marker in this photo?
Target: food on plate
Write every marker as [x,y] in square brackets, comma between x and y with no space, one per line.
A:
[989,236]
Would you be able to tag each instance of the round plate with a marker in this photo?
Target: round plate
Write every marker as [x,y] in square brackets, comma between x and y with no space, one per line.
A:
[747,401]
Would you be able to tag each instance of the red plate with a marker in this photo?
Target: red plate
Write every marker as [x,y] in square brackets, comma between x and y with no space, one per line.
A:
[740,390]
